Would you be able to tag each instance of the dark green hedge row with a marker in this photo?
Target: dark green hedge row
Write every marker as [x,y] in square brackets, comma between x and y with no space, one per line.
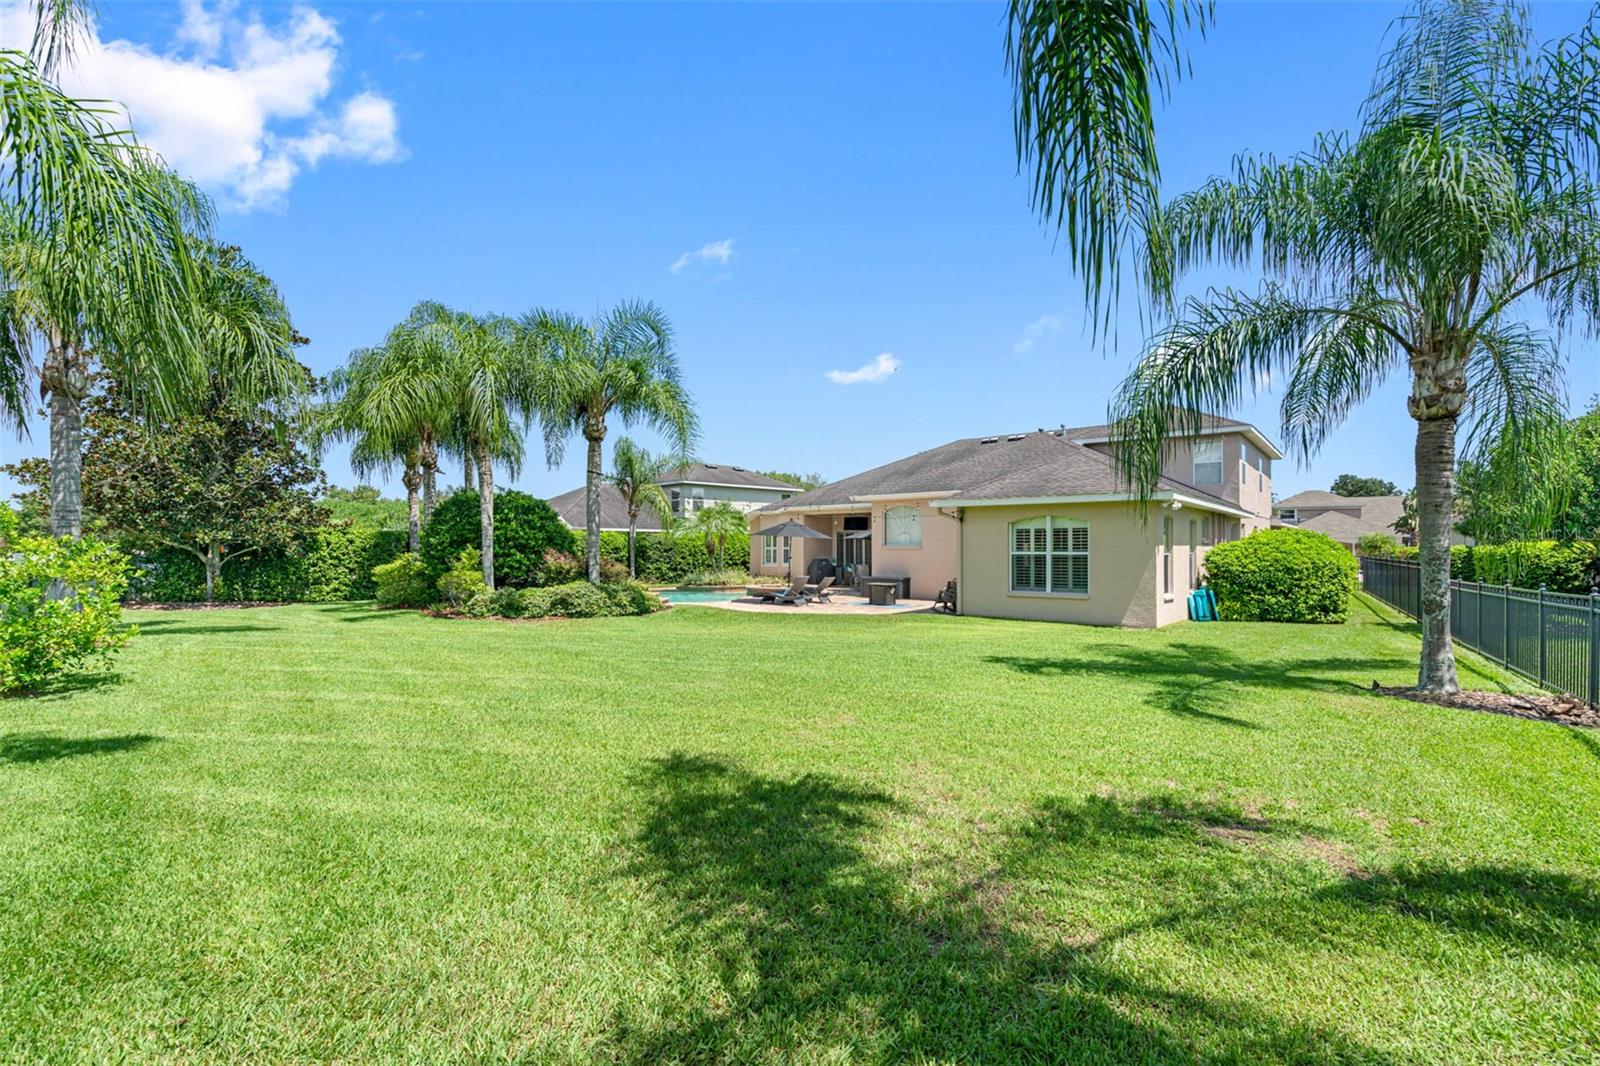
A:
[665,559]
[525,527]
[1282,575]
[1559,566]
[335,563]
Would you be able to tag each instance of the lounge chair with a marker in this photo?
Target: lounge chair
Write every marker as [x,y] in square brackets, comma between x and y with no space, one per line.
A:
[795,594]
[946,599]
[761,592]
[820,591]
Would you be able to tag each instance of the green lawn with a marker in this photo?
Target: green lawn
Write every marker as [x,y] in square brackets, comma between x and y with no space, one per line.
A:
[314,833]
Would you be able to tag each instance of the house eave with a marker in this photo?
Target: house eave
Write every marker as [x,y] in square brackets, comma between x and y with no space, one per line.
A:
[1168,497]
[881,497]
[1251,433]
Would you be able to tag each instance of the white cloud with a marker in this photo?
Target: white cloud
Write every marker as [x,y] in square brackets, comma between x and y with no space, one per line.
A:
[877,370]
[1038,329]
[716,252]
[235,104]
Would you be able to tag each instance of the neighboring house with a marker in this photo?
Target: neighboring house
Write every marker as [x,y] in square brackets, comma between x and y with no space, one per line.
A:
[1344,518]
[1036,525]
[688,488]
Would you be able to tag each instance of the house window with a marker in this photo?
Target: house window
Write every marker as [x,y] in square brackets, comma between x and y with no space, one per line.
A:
[676,499]
[902,527]
[697,499]
[1288,514]
[1050,555]
[1244,471]
[1208,462]
[1167,556]
[1261,473]
[772,553]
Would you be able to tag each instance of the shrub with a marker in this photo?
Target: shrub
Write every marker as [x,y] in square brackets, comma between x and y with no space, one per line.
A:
[1282,575]
[334,563]
[559,568]
[525,528]
[403,582]
[574,599]
[1463,560]
[613,572]
[42,638]
[668,560]
[1558,566]
[720,577]
[1381,545]
[463,580]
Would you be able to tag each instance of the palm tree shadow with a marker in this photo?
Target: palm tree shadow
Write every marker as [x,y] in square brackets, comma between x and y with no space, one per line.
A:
[45,747]
[810,944]
[1185,679]
[163,627]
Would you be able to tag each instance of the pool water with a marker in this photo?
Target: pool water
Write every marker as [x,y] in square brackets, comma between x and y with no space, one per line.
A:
[699,596]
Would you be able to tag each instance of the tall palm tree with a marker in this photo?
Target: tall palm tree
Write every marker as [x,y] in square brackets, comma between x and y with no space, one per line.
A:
[234,328]
[635,473]
[1469,197]
[483,379]
[97,242]
[361,407]
[622,363]
[1085,74]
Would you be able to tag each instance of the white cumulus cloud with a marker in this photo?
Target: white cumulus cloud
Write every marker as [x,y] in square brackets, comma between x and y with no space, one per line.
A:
[877,370]
[238,105]
[720,252]
[1037,330]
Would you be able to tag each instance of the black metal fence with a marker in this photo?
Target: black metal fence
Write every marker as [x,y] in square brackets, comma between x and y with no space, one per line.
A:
[1551,637]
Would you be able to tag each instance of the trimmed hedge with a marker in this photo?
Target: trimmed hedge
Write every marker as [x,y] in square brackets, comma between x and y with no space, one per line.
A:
[404,582]
[668,560]
[524,529]
[575,599]
[1282,575]
[334,564]
[1560,566]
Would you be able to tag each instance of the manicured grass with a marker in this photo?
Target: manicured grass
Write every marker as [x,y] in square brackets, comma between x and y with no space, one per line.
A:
[329,833]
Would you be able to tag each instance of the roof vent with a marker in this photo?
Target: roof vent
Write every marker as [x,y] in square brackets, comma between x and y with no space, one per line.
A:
[989,440]
[710,466]
[1016,436]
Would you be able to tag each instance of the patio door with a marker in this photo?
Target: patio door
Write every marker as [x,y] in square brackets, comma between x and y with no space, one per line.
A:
[854,552]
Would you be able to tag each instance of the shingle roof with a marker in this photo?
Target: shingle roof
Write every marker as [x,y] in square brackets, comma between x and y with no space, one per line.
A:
[1019,466]
[1374,514]
[613,510]
[1321,498]
[720,474]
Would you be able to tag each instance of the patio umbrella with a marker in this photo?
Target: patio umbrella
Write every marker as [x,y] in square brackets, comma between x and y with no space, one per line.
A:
[792,528]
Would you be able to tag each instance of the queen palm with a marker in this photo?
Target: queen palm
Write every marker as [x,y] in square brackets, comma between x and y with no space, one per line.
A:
[1467,200]
[716,524]
[636,473]
[358,410]
[621,363]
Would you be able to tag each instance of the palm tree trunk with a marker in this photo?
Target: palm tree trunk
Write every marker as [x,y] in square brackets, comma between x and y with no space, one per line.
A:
[486,512]
[1438,392]
[430,473]
[412,479]
[1436,460]
[591,505]
[65,382]
[633,537]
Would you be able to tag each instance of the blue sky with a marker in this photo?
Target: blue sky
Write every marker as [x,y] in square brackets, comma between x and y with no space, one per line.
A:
[856,159]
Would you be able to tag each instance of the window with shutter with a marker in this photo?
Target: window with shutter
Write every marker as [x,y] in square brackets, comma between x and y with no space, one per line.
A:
[1050,555]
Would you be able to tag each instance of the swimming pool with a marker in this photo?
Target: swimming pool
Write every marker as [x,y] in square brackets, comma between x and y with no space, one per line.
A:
[699,596]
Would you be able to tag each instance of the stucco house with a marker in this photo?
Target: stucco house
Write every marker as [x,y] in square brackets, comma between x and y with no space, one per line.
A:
[689,488]
[1344,518]
[1036,525]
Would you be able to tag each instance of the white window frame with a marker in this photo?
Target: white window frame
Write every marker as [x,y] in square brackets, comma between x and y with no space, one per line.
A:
[772,553]
[1194,553]
[903,511]
[1051,555]
[1166,557]
[1212,445]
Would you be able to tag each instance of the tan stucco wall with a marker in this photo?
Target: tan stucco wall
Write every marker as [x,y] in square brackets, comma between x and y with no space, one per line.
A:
[929,567]
[1178,463]
[1122,567]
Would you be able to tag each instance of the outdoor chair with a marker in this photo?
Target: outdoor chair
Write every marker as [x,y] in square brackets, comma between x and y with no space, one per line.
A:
[946,599]
[795,594]
[762,592]
[820,591]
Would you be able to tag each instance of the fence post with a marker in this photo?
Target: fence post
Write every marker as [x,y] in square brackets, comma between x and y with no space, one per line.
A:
[1477,632]
[1505,623]
[1594,647]
[1541,634]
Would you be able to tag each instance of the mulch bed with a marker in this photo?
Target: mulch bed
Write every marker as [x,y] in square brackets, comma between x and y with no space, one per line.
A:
[1540,706]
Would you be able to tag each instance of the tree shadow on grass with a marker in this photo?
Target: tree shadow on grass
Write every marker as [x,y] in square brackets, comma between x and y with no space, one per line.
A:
[1586,740]
[793,942]
[1183,679]
[164,627]
[45,747]
[70,685]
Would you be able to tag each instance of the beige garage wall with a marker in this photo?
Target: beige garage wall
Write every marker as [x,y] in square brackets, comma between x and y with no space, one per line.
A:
[1122,568]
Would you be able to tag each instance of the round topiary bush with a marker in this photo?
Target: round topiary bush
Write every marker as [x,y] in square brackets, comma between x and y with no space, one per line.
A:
[1282,575]
[524,529]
